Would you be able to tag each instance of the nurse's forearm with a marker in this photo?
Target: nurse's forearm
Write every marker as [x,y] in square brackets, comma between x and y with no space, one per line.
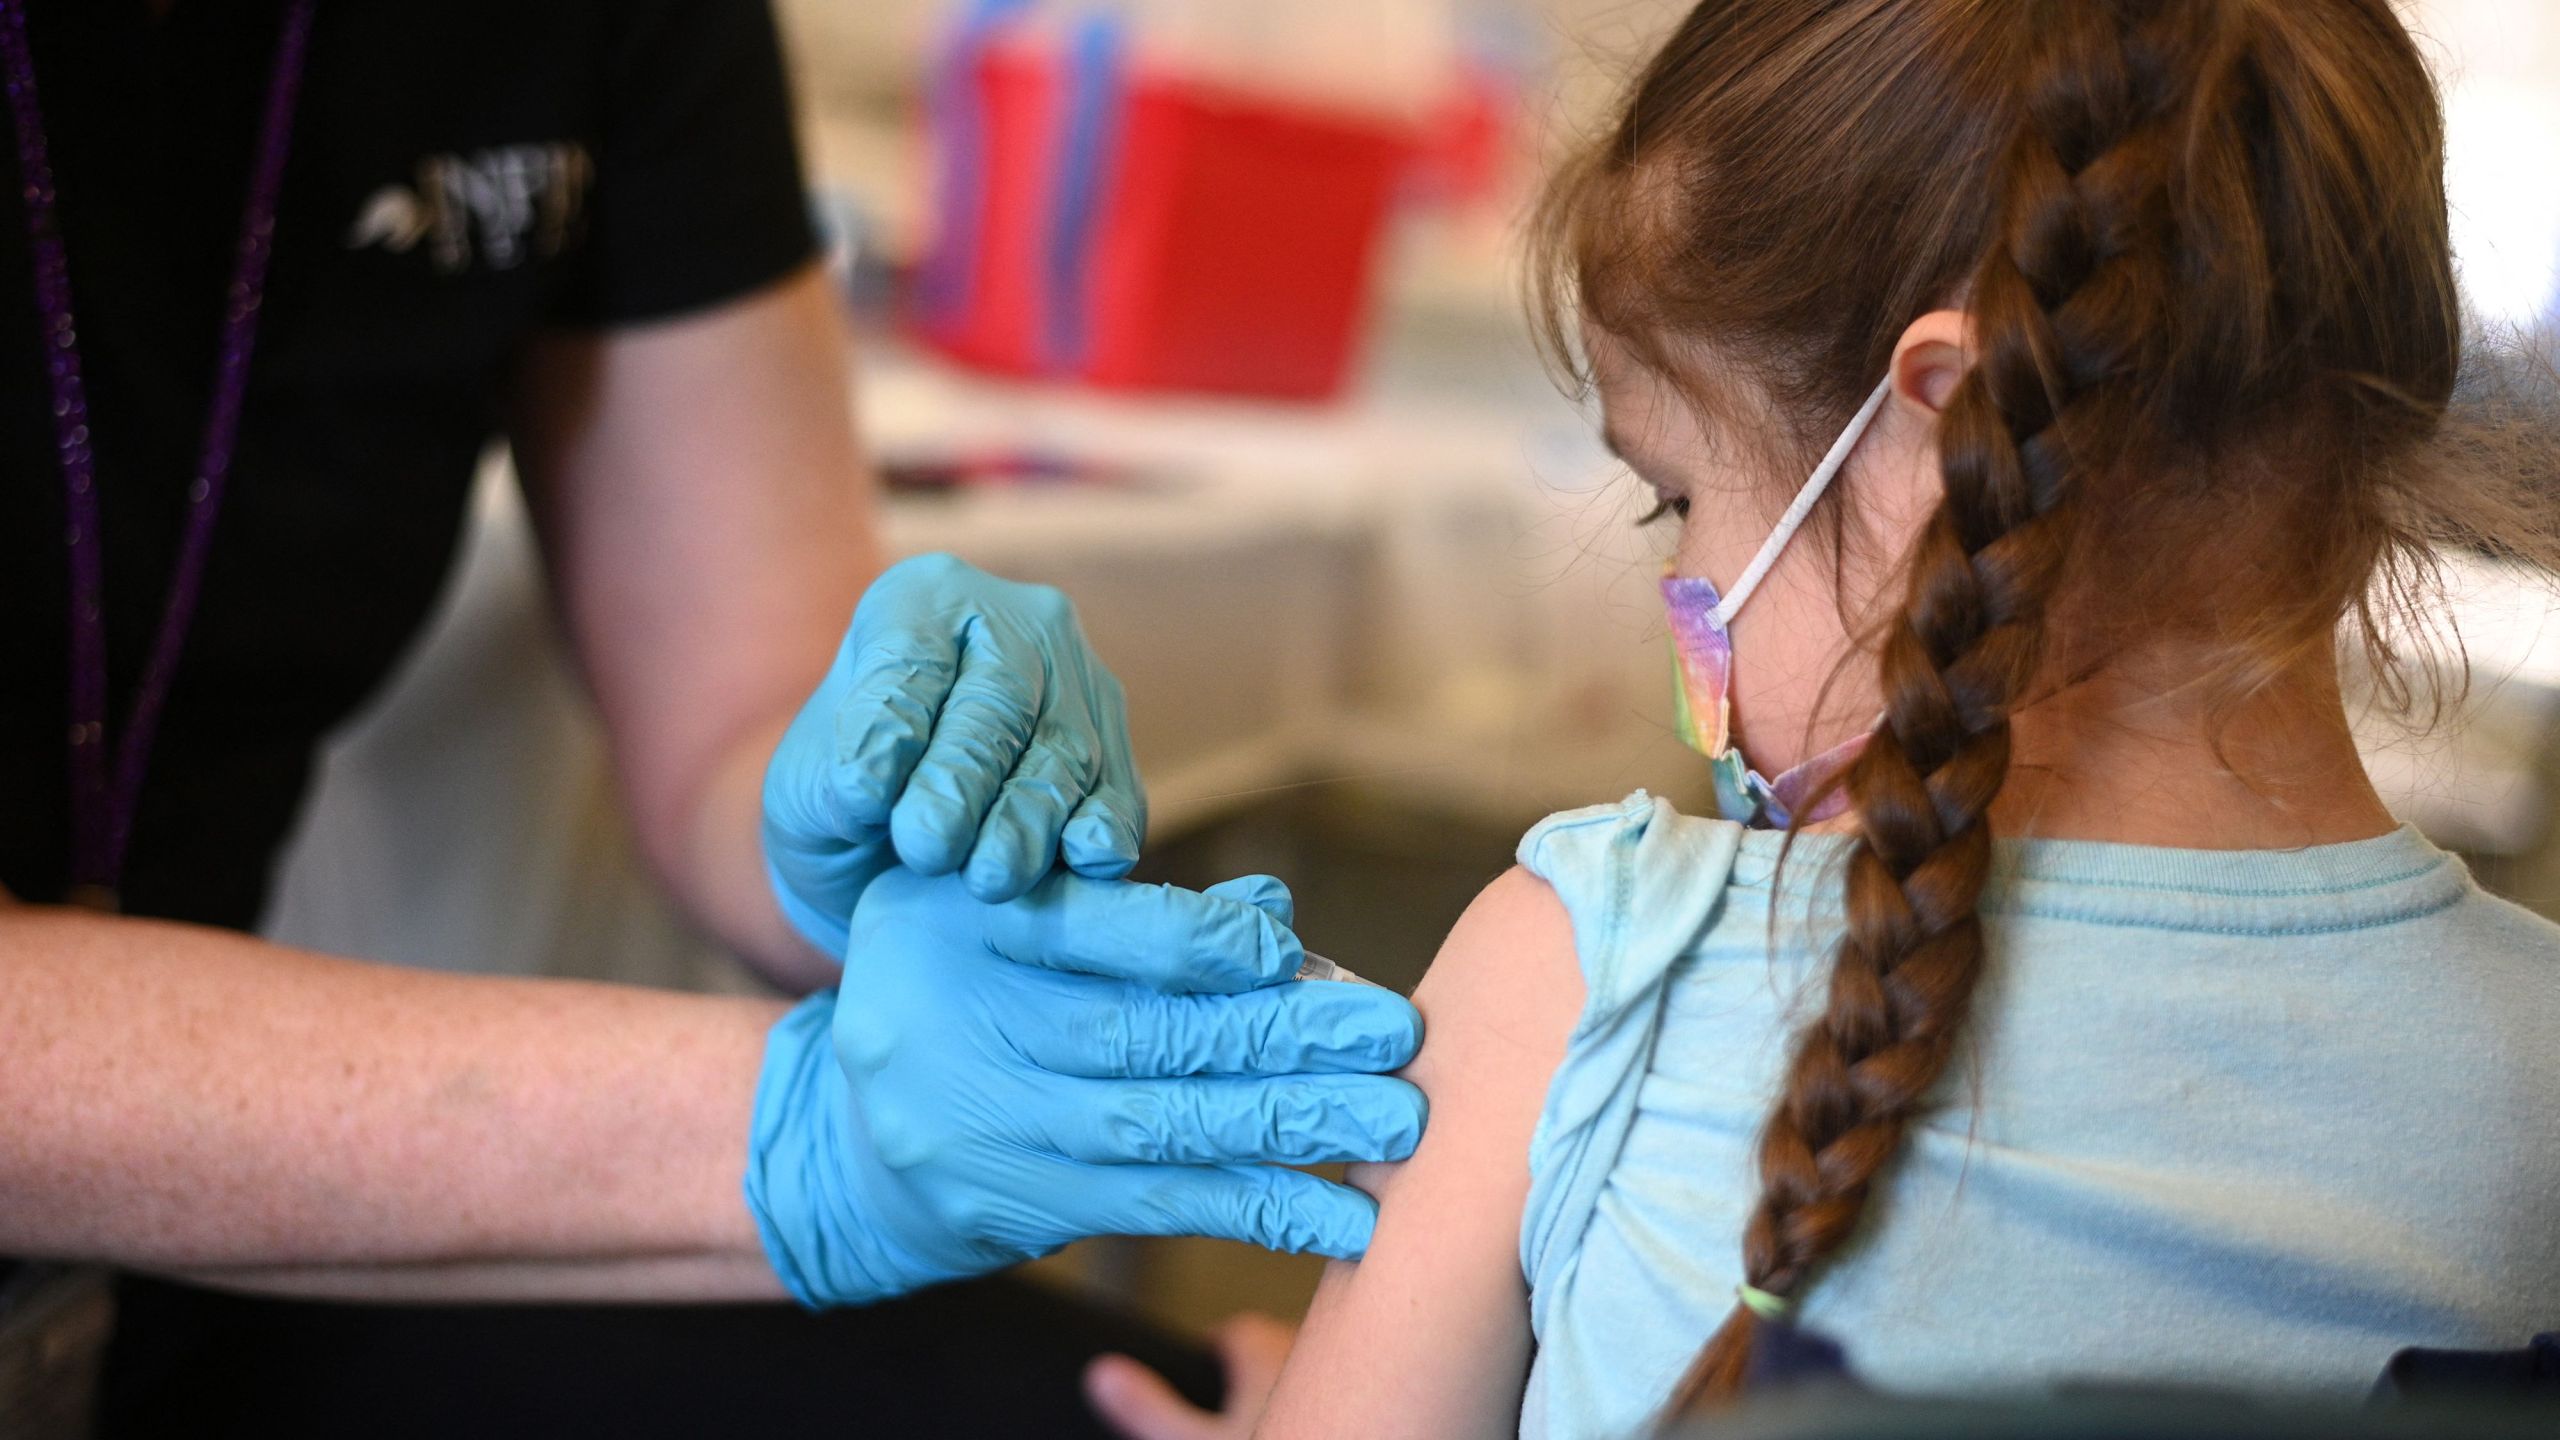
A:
[720,875]
[667,1281]
[709,522]
[188,1099]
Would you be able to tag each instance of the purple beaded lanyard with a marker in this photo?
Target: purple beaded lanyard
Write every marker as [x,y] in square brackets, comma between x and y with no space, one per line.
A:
[104,794]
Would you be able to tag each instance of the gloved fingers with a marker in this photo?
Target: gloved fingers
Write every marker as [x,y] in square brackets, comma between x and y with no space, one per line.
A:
[816,860]
[1266,893]
[1265,1205]
[1130,1032]
[1161,936]
[1102,839]
[989,717]
[880,728]
[1019,841]
[1292,1120]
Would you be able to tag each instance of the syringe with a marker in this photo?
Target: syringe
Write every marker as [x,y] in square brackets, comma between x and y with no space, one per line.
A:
[1316,967]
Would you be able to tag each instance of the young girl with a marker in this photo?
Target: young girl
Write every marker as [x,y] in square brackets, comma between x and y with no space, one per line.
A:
[2203,1072]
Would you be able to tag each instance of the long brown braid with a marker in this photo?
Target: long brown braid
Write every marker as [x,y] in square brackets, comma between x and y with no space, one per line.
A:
[2064,302]
[2202,246]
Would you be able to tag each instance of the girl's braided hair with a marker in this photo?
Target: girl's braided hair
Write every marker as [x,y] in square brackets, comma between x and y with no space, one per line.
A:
[2214,330]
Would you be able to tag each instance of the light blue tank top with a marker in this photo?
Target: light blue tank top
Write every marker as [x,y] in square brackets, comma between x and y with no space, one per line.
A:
[2223,1118]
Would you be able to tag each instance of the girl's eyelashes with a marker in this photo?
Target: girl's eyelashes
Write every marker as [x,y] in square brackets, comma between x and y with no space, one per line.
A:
[1665,507]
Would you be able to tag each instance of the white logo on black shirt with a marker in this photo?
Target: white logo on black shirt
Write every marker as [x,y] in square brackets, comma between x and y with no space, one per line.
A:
[500,206]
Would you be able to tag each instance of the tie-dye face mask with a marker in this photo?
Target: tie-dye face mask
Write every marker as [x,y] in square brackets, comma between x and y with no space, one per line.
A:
[1702,667]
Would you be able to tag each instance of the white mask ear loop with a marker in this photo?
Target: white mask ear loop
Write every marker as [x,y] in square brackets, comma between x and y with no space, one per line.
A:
[1802,506]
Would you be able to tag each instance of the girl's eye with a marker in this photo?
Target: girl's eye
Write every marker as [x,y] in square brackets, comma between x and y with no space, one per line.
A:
[1670,506]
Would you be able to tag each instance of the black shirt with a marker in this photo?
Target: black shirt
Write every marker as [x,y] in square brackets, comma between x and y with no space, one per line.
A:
[462,173]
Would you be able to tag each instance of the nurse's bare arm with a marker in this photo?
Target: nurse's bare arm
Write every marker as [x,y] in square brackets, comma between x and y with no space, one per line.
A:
[1428,1336]
[194,1101]
[709,522]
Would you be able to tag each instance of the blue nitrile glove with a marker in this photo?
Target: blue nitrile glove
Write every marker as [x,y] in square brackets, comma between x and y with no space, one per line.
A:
[1096,1058]
[965,725]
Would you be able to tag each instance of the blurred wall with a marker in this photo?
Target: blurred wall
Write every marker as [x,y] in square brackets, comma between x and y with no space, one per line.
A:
[2499,61]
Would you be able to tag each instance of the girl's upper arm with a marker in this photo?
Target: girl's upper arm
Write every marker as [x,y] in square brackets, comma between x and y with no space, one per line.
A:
[1429,1335]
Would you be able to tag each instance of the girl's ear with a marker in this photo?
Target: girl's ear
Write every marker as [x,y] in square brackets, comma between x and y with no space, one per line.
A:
[1930,360]
[1901,483]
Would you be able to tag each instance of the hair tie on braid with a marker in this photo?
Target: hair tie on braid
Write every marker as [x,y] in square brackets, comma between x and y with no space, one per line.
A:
[1763,1304]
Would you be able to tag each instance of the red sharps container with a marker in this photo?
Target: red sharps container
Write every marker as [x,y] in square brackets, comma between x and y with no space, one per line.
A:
[1107,218]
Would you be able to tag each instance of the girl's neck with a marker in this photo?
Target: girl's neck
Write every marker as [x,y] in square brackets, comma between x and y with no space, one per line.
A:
[2120,759]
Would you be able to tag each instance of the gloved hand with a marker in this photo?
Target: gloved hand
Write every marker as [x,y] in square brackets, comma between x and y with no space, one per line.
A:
[1095,1058]
[965,725]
